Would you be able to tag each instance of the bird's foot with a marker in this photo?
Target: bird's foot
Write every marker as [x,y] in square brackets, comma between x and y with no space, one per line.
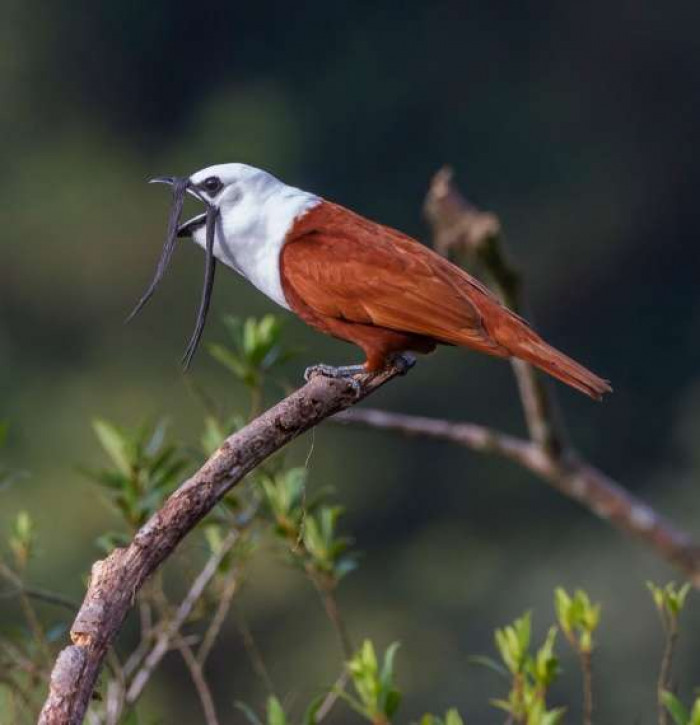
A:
[403,362]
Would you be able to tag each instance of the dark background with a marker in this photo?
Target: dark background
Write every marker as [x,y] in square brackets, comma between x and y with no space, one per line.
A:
[578,123]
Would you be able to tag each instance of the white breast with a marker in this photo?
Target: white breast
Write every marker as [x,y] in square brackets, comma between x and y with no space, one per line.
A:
[252,228]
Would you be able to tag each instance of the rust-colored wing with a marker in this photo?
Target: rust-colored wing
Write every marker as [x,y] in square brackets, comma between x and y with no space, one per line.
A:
[340,266]
[346,267]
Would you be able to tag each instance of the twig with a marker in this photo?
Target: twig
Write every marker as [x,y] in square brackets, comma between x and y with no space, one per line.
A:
[333,696]
[664,681]
[199,681]
[586,657]
[136,657]
[33,669]
[330,604]
[114,702]
[567,473]
[227,593]
[253,651]
[116,580]
[172,627]
[41,595]
[16,688]
[28,611]
[462,230]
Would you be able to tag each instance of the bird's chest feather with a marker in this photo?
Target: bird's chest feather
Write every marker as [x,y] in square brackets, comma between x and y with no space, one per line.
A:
[250,237]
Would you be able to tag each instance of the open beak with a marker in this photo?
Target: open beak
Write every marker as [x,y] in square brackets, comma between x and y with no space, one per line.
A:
[186,229]
[182,186]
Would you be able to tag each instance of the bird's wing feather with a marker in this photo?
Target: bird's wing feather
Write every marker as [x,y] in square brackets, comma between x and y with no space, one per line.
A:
[346,267]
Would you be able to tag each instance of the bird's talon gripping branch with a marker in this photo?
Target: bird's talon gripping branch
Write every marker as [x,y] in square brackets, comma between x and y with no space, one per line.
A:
[403,362]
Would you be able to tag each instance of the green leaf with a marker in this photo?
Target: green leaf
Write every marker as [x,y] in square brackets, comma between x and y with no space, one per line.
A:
[22,539]
[669,600]
[230,361]
[155,443]
[250,336]
[313,708]
[387,675]
[551,717]
[114,444]
[490,664]
[563,606]
[453,718]
[392,701]
[275,713]
[695,713]
[675,708]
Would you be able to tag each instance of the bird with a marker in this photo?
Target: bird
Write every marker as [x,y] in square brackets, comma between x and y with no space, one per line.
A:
[347,276]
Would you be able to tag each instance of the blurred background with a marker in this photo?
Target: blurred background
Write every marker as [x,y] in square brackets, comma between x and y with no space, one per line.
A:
[577,123]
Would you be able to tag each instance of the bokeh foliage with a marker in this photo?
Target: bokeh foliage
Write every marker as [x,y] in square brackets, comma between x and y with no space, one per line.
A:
[577,123]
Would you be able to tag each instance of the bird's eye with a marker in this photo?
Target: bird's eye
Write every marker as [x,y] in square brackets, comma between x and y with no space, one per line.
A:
[212,184]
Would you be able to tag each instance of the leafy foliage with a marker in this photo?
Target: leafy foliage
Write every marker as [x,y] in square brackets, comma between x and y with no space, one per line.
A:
[22,540]
[680,715]
[256,349]
[577,617]
[376,698]
[669,600]
[308,528]
[144,469]
[275,714]
[452,717]
[532,674]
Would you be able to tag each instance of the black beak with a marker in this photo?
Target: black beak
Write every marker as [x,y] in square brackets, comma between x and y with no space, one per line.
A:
[191,225]
[187,228]
[180,187]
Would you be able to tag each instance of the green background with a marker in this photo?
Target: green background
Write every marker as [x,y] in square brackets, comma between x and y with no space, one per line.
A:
[578,123]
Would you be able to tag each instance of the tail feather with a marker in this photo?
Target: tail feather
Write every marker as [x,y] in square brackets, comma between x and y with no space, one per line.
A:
[522,342]
[562,367]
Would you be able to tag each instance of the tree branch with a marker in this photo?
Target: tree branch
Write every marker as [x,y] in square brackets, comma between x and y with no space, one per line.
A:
[461,229]
[116,580]
[565,472]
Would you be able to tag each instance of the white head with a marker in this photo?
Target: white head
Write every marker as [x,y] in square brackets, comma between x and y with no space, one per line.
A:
[249,214]
[240,192]
[255,213]
[224,185]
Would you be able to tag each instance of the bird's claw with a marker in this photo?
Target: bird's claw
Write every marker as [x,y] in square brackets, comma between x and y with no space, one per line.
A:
[403,362]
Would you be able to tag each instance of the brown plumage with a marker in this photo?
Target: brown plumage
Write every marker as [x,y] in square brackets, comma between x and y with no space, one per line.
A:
[383,291]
